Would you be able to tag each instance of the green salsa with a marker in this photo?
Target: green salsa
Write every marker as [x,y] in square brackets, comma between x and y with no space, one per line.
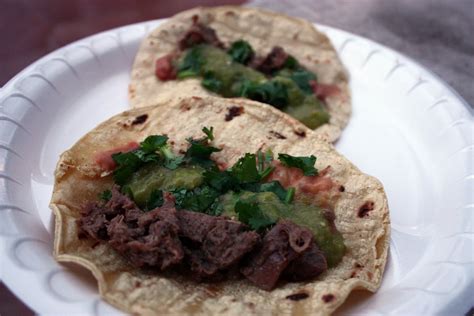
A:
[300,213]
[155,177]
[287,89]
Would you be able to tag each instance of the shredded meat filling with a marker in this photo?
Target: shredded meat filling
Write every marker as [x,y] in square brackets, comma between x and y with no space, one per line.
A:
[211,246]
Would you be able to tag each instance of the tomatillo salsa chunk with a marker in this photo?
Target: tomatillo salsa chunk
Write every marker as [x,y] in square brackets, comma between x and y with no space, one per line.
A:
[167,210]
[288,88]
[300,212]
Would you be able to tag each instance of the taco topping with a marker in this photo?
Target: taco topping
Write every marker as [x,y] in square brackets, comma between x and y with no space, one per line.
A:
[169,211]
[277,79]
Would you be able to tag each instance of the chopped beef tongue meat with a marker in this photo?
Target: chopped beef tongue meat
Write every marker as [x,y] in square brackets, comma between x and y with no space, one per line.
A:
[198,34]
[145,239]
[275,60]
[153,238]
[309,265]
[216,244]
[285,245]
[210,245]
[164,69]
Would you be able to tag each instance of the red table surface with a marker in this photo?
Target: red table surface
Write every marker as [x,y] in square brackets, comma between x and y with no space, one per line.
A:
[29,29]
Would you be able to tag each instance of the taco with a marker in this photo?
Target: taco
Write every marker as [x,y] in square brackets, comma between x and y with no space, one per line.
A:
[177,210]
[248,53]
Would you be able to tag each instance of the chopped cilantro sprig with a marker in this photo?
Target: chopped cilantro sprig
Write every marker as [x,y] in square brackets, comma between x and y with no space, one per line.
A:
[241,52]
[249,212]
[153,149]
[306,164]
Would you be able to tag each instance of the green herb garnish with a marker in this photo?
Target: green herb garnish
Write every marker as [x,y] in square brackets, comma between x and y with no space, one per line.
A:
[241,52]
[153,149]
[209,132]
[250,213]
[272,92]
[199,151]
[211,82]
[245,169]
[199,199]
[306,164]
[303,78]
[191,65]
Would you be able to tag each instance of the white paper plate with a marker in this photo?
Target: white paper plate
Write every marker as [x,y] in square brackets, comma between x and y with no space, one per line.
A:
[408,129]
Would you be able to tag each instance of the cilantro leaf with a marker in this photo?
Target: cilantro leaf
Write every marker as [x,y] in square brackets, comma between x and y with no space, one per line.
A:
[250,213]
[291,62]
[155,200]
[190,65]
[211,82]
[199,199]
[158,143]
[268,156]
[241,52]
[209,132]
[275,187]
[264,166]
[153,149]
[245,169]
[127,164]
[200,149]
[105,195]
[306,164]
[290,194]
[270,92]
[222,181]
[153,143]
[302,78]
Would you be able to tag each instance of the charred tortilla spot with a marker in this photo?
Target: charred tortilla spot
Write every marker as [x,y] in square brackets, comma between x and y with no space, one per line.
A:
[342,188]
[365,209]
[233,111]
[297,296]
[140,119]
[82,235]
[277,135]
[212,290]
[369,275]
[358,265]
[353,274]
[328,298]
[300,133]
[330,216]
[185,107]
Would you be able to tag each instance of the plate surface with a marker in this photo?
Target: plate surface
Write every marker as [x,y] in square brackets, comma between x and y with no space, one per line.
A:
[408,129]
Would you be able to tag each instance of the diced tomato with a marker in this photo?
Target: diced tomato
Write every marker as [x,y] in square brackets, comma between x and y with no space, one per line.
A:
[293,177]
[322,91]
[104,159]
[164,69]
[315,184]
